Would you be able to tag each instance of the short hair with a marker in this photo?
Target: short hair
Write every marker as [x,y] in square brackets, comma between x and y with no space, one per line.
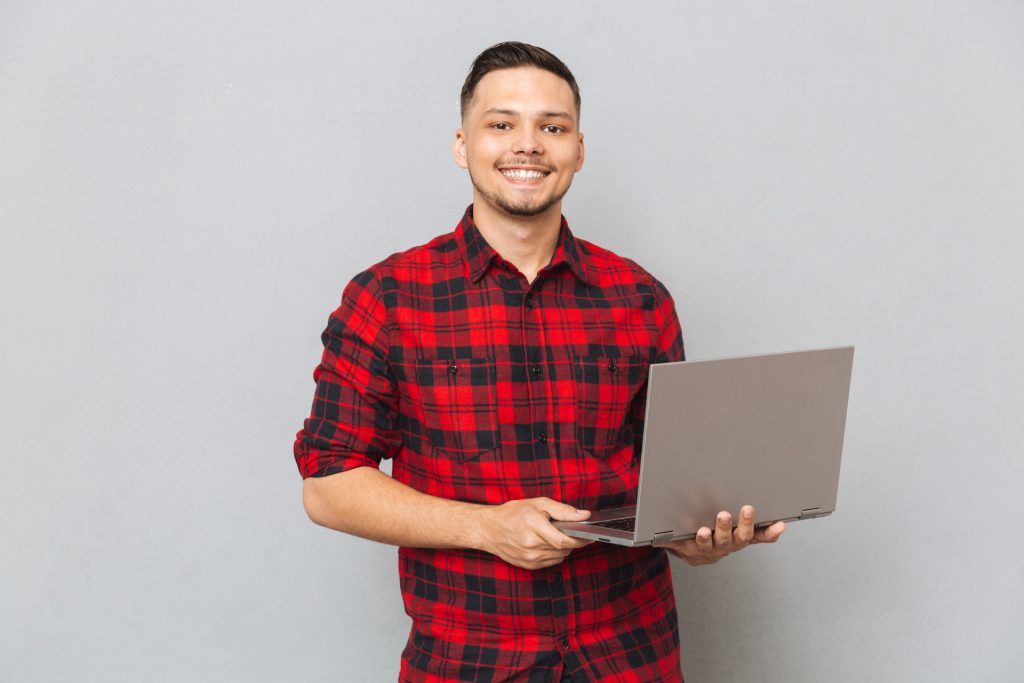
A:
[511,55]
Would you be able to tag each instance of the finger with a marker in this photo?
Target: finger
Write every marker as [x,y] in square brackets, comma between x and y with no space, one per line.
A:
[723,529]
[678,548]
[703,540]
[553,510]
[744,532]
[769,534]
[551,556]
[560,511]
[542,559]
[552,537]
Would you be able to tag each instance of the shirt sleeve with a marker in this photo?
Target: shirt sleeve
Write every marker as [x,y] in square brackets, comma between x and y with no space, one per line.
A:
[668,348]
[670,334]
[353,421]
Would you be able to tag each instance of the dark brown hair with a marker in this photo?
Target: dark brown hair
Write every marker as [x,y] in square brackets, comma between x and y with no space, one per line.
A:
[511,55]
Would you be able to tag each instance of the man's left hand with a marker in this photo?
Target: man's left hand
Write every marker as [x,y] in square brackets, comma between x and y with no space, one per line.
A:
[708,547]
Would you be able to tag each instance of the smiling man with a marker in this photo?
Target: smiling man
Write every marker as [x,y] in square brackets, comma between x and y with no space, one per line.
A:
[502,367]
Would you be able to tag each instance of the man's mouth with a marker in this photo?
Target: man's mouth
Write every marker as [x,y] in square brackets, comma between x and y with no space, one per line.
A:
[523,173]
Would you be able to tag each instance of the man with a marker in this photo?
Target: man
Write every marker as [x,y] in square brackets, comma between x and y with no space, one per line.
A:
[503,368]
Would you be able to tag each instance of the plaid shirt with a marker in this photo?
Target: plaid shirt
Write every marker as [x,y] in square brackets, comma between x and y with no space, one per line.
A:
[485,388]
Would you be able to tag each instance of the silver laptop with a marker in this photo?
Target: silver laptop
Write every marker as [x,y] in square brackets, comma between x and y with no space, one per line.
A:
[719,434]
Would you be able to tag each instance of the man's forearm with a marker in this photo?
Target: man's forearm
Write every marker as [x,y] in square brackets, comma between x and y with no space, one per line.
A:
[366,502]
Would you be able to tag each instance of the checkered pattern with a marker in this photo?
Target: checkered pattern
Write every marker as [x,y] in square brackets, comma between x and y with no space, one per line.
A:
[484,388]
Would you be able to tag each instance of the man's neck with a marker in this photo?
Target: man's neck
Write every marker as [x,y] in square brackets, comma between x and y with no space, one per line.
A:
[527,242]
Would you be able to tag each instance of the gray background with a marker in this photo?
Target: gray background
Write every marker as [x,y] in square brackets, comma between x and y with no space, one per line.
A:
[186,188]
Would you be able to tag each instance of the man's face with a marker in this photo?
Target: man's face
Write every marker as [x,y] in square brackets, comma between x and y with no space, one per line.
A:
[520,141]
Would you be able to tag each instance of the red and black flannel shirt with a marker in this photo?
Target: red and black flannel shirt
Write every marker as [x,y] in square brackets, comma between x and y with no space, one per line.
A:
[485,388]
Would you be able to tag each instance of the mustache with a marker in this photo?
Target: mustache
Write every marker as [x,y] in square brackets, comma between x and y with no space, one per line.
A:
[526,161]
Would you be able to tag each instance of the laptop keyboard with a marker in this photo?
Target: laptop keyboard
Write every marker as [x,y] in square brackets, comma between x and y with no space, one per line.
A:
[623,524]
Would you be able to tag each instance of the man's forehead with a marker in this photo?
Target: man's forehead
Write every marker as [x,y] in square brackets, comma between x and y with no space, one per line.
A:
[524,90]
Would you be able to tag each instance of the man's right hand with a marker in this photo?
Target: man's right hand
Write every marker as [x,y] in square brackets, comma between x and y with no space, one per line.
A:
[521,533]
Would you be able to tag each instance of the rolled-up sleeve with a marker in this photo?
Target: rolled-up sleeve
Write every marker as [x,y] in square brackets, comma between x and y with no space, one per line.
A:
[353,421]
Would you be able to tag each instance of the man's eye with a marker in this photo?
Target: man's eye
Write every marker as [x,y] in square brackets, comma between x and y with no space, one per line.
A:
[500,126]
[553,129]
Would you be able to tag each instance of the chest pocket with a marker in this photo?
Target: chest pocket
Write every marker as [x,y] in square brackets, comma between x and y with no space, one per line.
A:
[605,389]
[459,399]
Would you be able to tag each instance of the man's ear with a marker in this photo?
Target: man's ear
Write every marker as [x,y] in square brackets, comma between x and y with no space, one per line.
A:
[579,158]
[459,149]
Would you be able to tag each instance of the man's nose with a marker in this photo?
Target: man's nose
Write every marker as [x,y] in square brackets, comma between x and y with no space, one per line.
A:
[527,142]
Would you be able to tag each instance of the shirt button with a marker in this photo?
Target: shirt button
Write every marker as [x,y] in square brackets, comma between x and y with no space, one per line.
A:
[528,300]
[543,438]
[612,367]
[452,369]
[536,369]
[565,642]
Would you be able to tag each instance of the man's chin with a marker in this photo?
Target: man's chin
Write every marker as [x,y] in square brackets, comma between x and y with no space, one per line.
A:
[525,209]
[521,211]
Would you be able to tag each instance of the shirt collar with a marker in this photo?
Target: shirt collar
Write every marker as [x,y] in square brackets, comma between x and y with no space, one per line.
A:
[479,255]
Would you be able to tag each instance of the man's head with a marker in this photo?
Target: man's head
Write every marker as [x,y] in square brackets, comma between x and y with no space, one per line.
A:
[520,138]
[511,55]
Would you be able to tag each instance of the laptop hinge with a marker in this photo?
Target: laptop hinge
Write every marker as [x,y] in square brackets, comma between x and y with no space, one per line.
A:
[810,513]
[663,536]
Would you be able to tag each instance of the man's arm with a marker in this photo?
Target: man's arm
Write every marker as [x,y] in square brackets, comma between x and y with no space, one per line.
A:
[366,502]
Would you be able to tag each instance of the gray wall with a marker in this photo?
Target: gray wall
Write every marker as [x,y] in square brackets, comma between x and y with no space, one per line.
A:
[186,188]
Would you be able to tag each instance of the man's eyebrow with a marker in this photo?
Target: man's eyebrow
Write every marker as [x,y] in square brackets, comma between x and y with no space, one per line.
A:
[543,114]
[557,115]
[503,112]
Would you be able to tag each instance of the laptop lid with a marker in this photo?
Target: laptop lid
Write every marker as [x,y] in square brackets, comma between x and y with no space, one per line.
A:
[761,430]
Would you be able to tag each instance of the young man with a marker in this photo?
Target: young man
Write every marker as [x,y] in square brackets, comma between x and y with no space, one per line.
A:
[503,367]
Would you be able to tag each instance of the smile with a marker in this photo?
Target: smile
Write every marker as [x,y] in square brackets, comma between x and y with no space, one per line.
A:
[523,174]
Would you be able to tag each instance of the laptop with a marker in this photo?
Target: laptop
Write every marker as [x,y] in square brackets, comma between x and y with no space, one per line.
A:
[762,430]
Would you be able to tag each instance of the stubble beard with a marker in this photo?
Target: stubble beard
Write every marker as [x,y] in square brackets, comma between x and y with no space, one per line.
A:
[523,208]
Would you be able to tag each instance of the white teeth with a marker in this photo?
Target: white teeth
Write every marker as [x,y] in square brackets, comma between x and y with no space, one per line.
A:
[521,174]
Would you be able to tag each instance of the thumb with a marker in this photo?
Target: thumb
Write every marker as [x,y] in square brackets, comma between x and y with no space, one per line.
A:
[561,512]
